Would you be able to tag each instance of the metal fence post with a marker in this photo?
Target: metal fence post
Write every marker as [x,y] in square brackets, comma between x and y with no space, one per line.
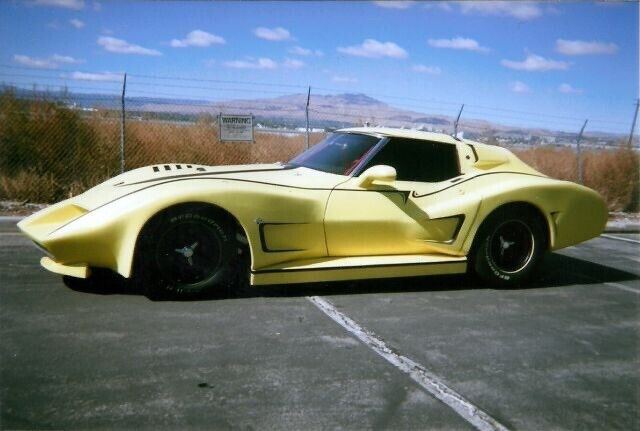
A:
[306,112]
[455,126]
[122,121]
[633,125]
[579,161]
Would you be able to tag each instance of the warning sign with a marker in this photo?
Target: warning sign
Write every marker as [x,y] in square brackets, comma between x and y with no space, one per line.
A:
[235,128]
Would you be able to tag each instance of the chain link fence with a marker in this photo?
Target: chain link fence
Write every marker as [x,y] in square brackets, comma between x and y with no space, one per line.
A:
[55,143]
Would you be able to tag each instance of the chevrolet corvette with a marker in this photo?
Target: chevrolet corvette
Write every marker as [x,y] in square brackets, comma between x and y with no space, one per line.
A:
[363,203]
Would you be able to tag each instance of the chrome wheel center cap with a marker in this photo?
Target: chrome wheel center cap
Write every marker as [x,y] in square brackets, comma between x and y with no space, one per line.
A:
[505,244]
[187,252]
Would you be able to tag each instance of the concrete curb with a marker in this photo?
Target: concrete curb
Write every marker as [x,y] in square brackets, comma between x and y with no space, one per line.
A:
[8,224]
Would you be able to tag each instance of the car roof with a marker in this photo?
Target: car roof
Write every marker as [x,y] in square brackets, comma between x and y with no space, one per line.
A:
[401,133]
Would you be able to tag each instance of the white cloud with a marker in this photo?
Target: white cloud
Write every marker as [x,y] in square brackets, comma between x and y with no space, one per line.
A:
[395,4]
[568,89]
[535,63]
[103,76]
[458,43]
[260,63]
[198,38]
[298,50]
[371,48]
[441,5]
[272,34]
[552,10]
[45,63]
[120,46]
[39,63]
[421,68]
[520,10]
[97,6]
[519,87]
[67,4]
[66,59]
[293,64]
[344,79]
[582,47]
[76,23]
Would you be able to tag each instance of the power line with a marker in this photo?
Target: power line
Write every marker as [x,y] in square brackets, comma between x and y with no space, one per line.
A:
[160,77]
[196,87]
[180,78]
[143,80]
[20,85]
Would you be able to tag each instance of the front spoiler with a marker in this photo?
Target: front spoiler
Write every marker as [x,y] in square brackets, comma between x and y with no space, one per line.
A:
[78,270]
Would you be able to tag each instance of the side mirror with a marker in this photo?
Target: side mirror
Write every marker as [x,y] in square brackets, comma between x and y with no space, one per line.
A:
[382,173]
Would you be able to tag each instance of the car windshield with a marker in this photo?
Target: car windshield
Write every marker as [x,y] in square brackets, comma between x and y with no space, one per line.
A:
[338,153]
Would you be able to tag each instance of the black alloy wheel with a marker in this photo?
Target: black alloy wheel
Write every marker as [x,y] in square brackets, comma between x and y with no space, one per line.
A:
[509,247]
[187,251]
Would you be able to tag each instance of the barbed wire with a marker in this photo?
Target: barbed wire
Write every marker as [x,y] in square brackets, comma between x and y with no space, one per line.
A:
[147,81]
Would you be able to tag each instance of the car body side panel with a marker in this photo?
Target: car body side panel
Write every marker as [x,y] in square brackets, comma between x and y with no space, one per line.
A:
[285,211]
[402,218]
[290,219]
[573,213]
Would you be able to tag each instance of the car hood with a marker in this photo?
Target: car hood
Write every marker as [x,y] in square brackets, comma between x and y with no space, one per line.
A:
[152,176]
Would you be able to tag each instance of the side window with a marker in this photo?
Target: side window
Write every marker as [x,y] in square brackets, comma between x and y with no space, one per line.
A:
[417,160]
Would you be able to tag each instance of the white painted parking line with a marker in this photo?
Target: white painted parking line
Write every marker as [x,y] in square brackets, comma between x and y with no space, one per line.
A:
[419,374]
[606,283]
[619,238]
[623,287]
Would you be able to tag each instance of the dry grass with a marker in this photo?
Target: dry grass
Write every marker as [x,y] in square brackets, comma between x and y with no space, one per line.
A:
[161,143]
[613,173]
[28,186]
[48,152]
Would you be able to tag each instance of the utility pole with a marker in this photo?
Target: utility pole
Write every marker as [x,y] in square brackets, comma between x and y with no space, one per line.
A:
[455,126]
[580,179]
[306,111]
[124,87]
[633,125]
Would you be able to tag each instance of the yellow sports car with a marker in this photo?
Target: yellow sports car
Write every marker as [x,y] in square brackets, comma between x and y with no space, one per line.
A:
[363,203]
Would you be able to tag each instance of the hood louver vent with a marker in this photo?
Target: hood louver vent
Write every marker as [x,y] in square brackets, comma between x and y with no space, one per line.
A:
[159,168]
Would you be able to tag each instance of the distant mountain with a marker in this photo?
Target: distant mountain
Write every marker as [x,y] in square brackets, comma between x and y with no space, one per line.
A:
[331,110]
[353,108]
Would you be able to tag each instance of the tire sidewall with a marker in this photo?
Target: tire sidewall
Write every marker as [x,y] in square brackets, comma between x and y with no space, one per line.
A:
[157,282]
[484,264]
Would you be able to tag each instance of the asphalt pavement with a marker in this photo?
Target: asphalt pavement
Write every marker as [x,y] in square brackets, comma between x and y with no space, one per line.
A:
[420,353]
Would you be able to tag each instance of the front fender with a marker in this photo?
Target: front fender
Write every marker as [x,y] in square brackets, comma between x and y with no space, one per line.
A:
[281,223]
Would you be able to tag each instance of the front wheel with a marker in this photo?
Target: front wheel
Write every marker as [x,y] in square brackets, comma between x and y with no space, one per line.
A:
[185,252]
[511,244]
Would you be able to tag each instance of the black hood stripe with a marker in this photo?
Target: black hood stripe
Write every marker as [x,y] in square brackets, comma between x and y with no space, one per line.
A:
[196,175]
[416,195]
[177,178]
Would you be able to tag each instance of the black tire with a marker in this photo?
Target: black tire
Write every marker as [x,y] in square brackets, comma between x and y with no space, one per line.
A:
[186,252]
[509,247]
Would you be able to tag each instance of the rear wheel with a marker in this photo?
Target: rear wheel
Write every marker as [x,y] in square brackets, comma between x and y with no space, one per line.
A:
[187,251]
[510,246]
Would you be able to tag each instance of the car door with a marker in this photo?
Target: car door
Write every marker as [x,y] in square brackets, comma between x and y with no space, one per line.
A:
[422,212]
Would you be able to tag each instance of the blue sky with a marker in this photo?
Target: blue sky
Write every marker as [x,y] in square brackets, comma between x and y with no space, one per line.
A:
[561,61]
